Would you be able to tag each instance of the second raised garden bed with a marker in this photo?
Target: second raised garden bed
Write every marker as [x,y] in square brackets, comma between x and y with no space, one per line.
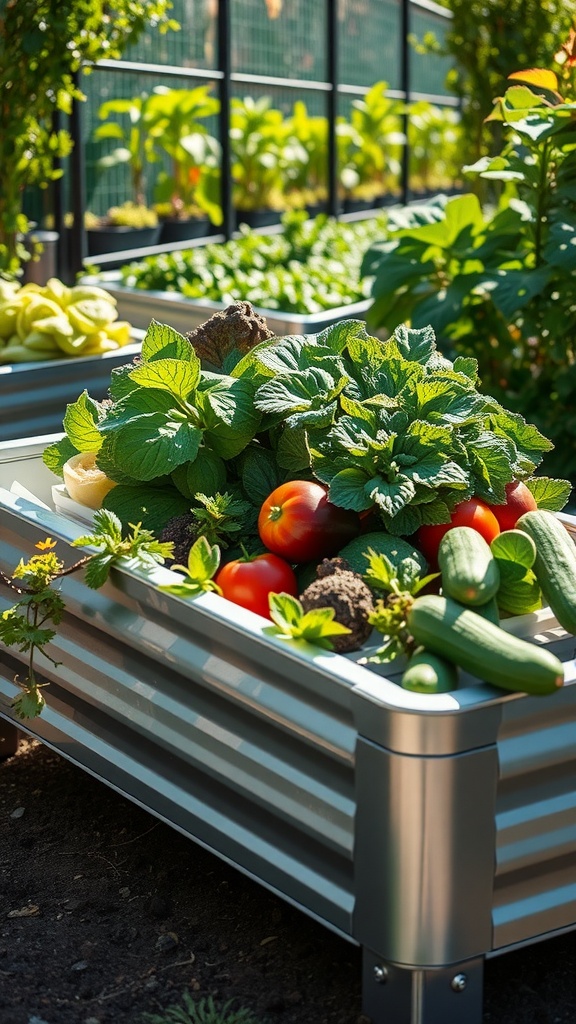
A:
[434,831]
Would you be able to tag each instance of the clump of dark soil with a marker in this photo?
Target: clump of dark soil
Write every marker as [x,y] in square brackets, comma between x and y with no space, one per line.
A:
[106,913]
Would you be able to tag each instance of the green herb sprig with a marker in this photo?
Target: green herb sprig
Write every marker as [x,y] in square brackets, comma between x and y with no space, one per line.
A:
[27,625]
[24,624]
[203,564]
[316,626]
[401,583]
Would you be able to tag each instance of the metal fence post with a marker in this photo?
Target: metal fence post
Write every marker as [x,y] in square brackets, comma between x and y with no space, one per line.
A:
[332,47]
[405,83]
[77,247]
[224,66]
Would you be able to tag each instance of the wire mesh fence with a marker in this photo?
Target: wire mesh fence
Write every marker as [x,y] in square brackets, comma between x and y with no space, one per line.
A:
[320,60]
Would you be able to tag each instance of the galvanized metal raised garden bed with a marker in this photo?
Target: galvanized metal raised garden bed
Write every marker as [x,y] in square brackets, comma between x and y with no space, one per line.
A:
[33,396]
[139,306]
[433,831]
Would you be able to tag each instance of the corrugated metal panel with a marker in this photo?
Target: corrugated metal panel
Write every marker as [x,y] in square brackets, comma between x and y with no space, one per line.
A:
[253,747]
[33,396]
[535,883]
[253,756]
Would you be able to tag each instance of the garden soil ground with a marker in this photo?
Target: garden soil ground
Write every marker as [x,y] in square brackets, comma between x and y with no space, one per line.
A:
[107,914]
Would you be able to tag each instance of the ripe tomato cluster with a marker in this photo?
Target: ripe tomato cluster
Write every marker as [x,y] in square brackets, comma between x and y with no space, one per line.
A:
[487,520]
[297,523]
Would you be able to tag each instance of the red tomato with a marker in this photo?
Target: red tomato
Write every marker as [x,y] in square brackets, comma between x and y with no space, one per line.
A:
[249,581]
[519,499]
[474,513]
[299,523]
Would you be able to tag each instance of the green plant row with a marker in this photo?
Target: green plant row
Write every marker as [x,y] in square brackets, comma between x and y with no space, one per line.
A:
[279,161]
[313,265]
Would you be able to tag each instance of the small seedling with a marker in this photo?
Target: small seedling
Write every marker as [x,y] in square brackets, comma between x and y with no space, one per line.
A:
[203,1012]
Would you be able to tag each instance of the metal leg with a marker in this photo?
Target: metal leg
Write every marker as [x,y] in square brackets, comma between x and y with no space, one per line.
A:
[401,995]
[9,739]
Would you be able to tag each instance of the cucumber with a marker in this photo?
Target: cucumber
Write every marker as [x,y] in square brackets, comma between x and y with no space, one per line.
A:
[490,611]
[470,573]
[555,564]
[482,648]
[429,673]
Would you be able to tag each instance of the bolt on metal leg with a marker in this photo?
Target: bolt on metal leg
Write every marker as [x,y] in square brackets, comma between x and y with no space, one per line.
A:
[459,982]
[412,995]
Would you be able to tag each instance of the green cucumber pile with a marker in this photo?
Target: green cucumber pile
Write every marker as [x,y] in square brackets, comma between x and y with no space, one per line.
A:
[460,626]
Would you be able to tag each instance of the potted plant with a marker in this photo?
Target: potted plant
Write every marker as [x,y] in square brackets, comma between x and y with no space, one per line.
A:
[370,149]
[435,141]
[187,195]
[127,226]
[258,136]
[133,223]
[307,160]
[42,49]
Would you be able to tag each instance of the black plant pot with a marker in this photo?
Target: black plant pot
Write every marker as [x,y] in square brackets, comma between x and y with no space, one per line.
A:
[387,199]
[358,205]
[116,239]
[176,230]
[314,209]
[262,218]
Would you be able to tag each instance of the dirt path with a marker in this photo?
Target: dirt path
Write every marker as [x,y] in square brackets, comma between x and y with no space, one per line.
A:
[106,913]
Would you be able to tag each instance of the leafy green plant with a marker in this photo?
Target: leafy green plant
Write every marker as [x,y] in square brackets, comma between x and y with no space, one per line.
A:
[175,119]
[501,285]
[400,583]
[203,564]
[484,39]
[42,48]
[167,419]
[27,625]
[316,626]
[312,266]
[257,137]
[393,428]
[203,1011]
[135,145]
[434,147]
[306,171]
[371,145]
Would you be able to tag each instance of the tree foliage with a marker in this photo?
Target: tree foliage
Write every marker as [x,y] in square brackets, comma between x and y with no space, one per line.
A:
[44,44]
[486,38]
